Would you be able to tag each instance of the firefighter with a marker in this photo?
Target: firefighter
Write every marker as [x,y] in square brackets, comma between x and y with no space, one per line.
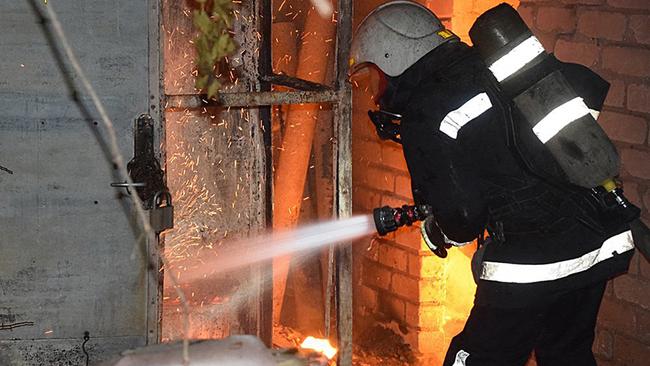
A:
[541,272]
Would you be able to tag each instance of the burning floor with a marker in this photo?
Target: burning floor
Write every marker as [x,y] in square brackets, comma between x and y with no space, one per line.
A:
[378,346]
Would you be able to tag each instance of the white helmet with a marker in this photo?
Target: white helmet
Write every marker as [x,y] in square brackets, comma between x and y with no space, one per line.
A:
[395,36]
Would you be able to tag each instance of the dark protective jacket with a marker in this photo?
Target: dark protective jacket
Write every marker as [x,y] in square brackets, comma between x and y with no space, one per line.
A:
[551,238]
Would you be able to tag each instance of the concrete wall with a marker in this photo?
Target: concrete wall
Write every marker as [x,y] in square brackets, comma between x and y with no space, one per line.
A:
[69,262]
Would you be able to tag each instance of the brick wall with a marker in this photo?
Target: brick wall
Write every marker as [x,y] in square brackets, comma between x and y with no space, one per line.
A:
[613,37]
[465,13]
[398,282]
[394,285]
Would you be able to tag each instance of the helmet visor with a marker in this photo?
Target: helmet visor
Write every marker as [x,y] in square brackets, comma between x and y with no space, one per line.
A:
[368,78]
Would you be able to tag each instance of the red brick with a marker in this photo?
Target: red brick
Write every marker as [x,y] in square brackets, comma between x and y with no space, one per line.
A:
[415,265]
[527,13]
[430,316]
[369,149]
[603,362]
[644,267]
[362,128]
[393,257]
[441,8]
[583,2]
[630,4]
[603,344]
[405,286]
[378,178]
[430,343]
[630,352]
[433,267]
[561,20]
[640,28]
[600,24]
[616,316]
[403,186]
[393,307]
[616,95]
[631,191]
[633,290]
[412,314]
[609,289]
[365,199]
[376,276]
[393,157]
[547,39]
[366,298]
[626,60]
[431,290]
[391,200]
[638,98]
[578,52]
[633,268]
[409,236]
[643,326]
[358,174]
[371,249]
[624,127]
[636,162]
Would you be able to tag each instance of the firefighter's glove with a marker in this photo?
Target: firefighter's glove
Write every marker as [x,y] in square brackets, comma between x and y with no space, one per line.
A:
[386,128]
[433,237]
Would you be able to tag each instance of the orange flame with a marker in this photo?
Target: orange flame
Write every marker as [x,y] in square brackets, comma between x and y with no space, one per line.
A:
[322,346]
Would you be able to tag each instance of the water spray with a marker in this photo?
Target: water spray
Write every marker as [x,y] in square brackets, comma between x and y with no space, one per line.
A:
[265,247]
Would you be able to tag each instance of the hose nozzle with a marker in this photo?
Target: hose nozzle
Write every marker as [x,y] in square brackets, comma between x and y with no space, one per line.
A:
[388,219]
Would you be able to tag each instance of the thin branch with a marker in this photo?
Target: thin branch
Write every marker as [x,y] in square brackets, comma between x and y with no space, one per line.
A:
[117,159]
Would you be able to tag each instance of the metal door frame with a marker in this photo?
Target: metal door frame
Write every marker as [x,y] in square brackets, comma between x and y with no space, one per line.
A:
[260,95]
[154,248]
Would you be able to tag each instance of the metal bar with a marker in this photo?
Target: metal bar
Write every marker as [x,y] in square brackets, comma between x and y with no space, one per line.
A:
[264,12]
[294,83]
[250,99]
[154,247]
[344,181]
[247,37]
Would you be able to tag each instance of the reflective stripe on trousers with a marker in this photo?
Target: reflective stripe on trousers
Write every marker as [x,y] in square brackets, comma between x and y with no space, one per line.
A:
[530,273]
[461,358]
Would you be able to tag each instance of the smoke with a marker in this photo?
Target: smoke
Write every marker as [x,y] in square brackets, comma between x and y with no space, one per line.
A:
[324,8]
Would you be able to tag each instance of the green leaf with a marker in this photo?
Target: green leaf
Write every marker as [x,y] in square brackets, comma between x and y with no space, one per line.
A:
[202,21]
[213,88]
[213,42]
[201,81]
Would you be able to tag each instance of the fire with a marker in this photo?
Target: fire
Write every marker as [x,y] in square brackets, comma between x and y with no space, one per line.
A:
[319,345]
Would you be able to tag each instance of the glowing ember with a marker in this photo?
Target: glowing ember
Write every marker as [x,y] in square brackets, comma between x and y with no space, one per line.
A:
[322,346]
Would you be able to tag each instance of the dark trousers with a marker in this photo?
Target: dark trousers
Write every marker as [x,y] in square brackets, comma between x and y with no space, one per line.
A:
[561,332]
